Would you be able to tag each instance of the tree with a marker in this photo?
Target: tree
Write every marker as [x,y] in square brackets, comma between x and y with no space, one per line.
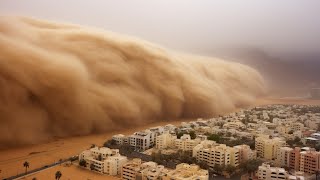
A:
[214,137]
[230,169]
[203,165]
[26,165]
[34,178]
[290,132]
[92,146]
[217,168]
[83,163]
[58,175]
[192,134]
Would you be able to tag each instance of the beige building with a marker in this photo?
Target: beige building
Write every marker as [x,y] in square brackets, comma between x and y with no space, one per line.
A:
[271,173]
[103,160]
[165,140]
[283,157]
[131,169]
[185,143]
[268,147]
[245,153]
[187,172]
[216,154]
[234,125]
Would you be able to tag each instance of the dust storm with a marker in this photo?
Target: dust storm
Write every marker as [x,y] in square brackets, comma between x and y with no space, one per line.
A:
[65,80]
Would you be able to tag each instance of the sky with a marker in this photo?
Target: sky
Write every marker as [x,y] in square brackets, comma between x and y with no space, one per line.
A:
[191,25]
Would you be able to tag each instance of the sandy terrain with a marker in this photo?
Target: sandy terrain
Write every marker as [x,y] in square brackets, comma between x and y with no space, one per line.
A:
[11,160]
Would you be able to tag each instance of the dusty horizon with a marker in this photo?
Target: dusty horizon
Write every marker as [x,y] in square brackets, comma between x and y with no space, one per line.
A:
[62,80]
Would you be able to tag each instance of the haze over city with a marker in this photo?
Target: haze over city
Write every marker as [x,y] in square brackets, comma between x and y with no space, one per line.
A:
[81,78]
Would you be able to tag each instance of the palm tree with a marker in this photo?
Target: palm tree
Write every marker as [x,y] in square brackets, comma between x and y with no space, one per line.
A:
[26,165]
[58,175]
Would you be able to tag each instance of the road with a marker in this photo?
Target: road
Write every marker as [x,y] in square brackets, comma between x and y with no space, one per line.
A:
[19,176]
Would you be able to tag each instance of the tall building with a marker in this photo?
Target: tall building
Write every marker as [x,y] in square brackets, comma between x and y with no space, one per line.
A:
[268,147]
[283,157]
[165,140]
[309,161]
[185,143]
[272,173]
[245,153]
[294,159]
[216,154]
[103,160]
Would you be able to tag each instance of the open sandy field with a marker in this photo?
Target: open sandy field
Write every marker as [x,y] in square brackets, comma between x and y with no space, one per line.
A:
[11,160]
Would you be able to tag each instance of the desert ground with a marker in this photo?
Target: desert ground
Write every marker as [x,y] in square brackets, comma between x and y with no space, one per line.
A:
[11,160]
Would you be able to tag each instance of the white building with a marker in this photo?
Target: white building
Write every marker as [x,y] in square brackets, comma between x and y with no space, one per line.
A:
[143,140]
[245,153]
[120,139]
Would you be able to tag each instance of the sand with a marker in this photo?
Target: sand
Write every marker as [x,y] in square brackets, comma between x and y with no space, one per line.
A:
[11,160]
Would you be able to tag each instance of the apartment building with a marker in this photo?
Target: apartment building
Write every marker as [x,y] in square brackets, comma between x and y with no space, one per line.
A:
[294,159]
[131,169]
[143,140]
[185,143]
[216,154]
[245,153]
[271,173]
[187,172]
[103,160]
[165,140]
[120,139]
[309,161]
[283,157]
[268,147]
[234,125]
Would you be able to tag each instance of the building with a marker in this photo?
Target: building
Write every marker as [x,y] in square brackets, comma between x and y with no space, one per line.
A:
[151,171]
[294,159]
[165,140]
[234,125]
[268,147]
[131,169]
[283,157]
[271,173]
[143,140]
[245,153]
[309,161]
[185,143]
[103,160]
[120,139]
[216,154]
[187,172]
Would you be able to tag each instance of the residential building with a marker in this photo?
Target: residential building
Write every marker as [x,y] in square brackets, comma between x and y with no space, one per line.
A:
[234,125]
[267,147]
[185,143]
[187,172]
[294,159]
[131,169]
[143,140]
[309,161]
[216,154]
[120,139]
[103,160]
[245,153]
[283,157]
[265,171]
[165,140]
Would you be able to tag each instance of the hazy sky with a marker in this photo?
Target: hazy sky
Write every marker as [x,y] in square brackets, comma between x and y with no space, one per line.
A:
[197,25]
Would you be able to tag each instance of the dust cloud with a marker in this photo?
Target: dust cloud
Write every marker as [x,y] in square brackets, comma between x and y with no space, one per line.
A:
[65,80]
